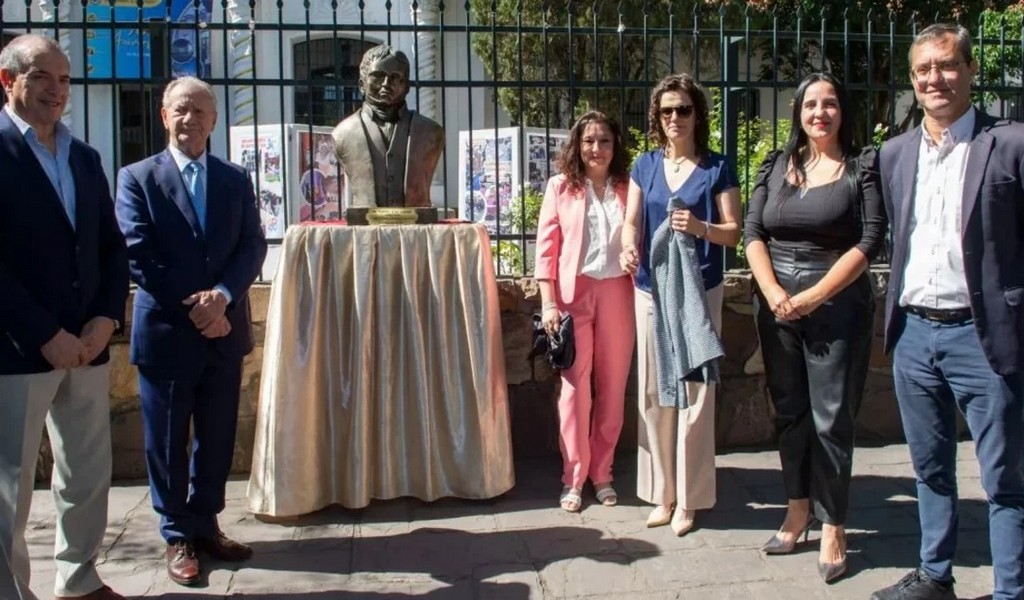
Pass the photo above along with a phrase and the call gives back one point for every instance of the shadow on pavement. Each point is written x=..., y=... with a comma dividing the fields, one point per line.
x=882, y=522
x=457, y=591
x=447, y=553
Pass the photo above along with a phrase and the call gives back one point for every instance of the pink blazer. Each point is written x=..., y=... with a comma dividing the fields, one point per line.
x=560, y=227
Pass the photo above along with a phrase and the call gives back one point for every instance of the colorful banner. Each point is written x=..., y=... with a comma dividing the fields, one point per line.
x=133, y=52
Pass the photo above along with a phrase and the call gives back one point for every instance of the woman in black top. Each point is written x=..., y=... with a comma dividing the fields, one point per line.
x=814, y=223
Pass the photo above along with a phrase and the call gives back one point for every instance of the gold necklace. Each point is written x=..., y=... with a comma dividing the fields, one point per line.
x=677, y=163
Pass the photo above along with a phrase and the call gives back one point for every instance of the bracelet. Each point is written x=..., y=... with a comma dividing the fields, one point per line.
x=549, y=305
x=707, y=228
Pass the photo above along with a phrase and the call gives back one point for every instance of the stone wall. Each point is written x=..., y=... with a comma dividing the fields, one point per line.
x=744, y=416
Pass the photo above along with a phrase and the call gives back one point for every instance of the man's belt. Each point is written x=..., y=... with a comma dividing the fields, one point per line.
x=941, y=315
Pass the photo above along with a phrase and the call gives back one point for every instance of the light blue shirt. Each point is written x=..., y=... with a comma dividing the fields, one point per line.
x=57, y=168
x=183, y=161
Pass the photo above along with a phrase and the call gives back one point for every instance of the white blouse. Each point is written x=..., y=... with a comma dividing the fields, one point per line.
x=602, y=242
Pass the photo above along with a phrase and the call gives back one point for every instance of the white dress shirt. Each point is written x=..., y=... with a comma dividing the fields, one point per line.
x=933, y=276
x=601, y=236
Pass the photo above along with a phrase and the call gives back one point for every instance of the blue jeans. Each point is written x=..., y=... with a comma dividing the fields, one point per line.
x=937, y=369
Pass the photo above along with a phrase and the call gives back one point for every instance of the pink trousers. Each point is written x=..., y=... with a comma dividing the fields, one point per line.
x=589, y=424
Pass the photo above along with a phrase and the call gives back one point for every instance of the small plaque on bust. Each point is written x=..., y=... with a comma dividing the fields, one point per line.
x=391, y=216
x=421, y=215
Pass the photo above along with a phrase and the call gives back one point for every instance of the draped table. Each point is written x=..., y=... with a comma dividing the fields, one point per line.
x=383, y=370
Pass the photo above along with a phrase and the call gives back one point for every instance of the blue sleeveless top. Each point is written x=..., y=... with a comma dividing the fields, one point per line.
x=710, y=178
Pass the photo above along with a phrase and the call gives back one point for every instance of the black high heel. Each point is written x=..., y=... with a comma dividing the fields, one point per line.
x=776, y=546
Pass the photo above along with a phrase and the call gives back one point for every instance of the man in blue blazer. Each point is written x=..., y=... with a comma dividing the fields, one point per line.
x=194, y=246
x=63, y=287
x=954, y=190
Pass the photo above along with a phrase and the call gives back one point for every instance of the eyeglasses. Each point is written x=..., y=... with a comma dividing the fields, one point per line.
x=946, y=68
x=683, y=110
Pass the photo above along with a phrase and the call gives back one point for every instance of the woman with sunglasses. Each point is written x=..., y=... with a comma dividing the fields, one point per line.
x=814, y=223
x=577, y=270
x=676, y=458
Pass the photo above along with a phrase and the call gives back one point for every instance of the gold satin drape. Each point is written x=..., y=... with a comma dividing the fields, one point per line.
x=383, y=370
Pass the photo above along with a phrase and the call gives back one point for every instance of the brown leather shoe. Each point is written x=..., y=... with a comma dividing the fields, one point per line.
x=104, y=593
x=182, y=563
x=224, y=548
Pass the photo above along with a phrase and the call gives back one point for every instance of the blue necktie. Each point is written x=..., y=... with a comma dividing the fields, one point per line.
x=197, y=191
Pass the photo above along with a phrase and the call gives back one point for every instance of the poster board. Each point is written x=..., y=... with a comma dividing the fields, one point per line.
x=495, y=164
x=294, y=171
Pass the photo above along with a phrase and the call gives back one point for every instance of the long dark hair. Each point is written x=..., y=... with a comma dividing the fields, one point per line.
x=793, y=153
x=681, y=83
x=571, y=165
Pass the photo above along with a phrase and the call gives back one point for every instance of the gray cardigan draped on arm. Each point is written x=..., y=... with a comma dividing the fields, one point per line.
x=686, y=346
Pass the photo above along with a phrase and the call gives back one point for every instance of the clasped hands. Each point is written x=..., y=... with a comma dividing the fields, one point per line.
x=65, y=351
x=207, y=313
x=791, y=308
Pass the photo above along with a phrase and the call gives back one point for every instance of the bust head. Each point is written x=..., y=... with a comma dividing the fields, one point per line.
x=384, y=77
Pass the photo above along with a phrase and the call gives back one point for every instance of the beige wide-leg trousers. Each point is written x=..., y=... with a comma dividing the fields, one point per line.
x=74, y=406
x=676, y=455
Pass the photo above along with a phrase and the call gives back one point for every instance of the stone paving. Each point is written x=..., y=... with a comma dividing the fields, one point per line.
x=522, y=546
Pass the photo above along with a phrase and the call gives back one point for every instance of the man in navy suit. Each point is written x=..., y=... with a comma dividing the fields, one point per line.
x=954, y=190
x=194, y=246
x=63, y=287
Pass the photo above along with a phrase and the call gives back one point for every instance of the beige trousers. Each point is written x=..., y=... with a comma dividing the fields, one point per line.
x=676, y=454
x=74, y=406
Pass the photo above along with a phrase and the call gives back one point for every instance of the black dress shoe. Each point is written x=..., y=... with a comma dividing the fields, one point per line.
x=916, y=585
x=224, y=548
x=182, y=564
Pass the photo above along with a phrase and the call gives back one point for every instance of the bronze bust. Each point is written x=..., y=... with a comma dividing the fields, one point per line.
x=388, y=152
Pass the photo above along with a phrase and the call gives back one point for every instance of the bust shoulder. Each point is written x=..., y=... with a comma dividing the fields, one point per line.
x=343, y=131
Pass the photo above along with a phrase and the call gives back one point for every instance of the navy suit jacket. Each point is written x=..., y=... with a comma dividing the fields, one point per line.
x=53, y=276
x=171, y=258
x=992, y=233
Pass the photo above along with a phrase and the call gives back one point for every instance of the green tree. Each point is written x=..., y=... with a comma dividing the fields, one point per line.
x=546, y=57
x=998, y=52
x=891, y=26
x=547, y=41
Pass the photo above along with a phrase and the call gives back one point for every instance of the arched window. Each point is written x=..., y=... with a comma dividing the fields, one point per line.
x=327, y=79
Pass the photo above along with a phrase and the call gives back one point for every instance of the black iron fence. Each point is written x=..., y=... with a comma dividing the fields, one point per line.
x=503, y=77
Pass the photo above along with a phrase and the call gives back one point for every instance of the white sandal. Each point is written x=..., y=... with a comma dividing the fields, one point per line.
x=606, y=495
x=571, y=500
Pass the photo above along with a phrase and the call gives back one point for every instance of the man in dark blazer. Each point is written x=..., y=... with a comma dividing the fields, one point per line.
x=194, y=247
x=954, y=190
x=63, y=287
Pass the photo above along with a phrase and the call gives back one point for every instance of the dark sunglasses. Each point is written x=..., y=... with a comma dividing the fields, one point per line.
x=683, y=110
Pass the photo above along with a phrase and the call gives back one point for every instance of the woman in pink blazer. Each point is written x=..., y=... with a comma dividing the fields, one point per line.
x=578, y=244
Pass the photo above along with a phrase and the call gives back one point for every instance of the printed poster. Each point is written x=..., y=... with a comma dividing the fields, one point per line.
x=542, y=151
x=486, y=176
x=260, y=155
x=322, y=183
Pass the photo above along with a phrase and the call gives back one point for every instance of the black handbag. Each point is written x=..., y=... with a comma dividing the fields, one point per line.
x=560, y=348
